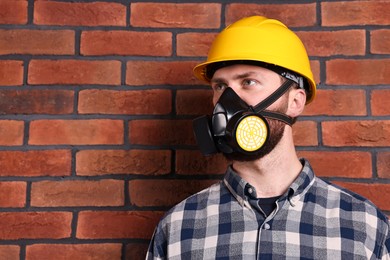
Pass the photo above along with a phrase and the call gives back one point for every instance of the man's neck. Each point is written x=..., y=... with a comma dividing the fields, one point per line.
x=273, y=174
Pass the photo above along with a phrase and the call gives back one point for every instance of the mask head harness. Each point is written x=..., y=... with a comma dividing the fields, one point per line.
x=236, y=126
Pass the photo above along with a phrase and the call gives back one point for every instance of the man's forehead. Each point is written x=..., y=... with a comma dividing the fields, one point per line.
x=238, y=71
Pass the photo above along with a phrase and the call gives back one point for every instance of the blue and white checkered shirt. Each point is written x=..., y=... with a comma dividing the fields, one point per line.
x=312, y=220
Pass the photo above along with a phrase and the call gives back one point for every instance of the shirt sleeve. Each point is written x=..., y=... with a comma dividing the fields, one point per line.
x=386, y=250
x=158, y=245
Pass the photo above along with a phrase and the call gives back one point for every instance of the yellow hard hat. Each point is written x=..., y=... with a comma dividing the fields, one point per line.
x=258, y=38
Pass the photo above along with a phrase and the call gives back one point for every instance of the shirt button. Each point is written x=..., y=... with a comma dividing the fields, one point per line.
x=250, y=190
x=267, y=226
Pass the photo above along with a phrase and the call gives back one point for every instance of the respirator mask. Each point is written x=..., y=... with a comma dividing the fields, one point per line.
x=235, y=126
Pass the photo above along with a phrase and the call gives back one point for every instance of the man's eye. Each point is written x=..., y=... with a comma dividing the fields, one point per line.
x=249, y=82
x=219, y=87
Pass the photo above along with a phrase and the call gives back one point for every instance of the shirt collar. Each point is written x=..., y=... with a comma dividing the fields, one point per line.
x=240, y=188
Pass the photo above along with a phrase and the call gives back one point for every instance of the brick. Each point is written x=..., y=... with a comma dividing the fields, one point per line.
x=79, y=14
x=194, y=102
x=143, y=102
x=348, y=164
x=76, y=132
x=161, y=132
x=136, y=250
x=293, y=15
x=358, y=72
x=35, y=163
x=175, y=15
x=305, y=133
x=356, y=133
x=165, y=192
x=379, y=40
x=117, y=224
x=194, y=163
x=328, y=43
x=101, y=162
x=315, y=68
x=77, y=72
x=11, y=72
x=12, y=194
x=36, y=101
x=37, y=42
x=74, y=193
x=194, y=44
x=126, y=43
x=13, y=12
x=379, y=102
x=35, y=225
x=140, y=73
x=383, y=164
x=9, y=252
x=101, y=251
x=376, y=192
x=355, y=13
x=340, y=102
x=11, y=132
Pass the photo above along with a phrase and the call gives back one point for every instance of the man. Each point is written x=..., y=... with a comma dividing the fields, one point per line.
x=270, y=205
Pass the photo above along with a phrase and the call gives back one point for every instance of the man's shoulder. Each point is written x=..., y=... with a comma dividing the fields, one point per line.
x=349, y=200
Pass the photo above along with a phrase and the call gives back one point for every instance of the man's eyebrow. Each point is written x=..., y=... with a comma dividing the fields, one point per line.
x=245, y=75
x=238, y=76
x=217, y=80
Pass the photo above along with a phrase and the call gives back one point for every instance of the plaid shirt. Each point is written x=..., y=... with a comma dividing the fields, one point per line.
x=312, y=220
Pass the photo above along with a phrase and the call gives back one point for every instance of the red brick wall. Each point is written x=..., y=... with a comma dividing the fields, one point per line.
x=96, y=102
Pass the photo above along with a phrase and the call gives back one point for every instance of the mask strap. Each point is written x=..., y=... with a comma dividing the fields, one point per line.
x=274, y=96
x=278, y=116
x=260, y=108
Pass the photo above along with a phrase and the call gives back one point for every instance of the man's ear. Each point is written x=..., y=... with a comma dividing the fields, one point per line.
x=297, y=100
